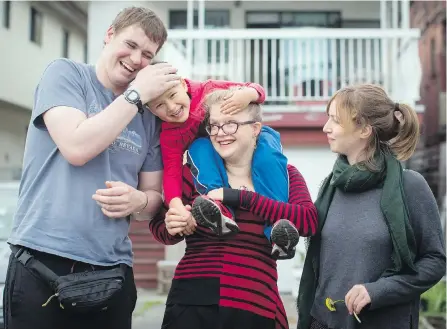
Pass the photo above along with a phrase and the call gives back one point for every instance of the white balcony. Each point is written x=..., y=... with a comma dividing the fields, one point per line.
x=301, y=65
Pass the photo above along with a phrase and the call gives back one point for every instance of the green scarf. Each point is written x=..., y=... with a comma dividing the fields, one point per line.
x=394, y=208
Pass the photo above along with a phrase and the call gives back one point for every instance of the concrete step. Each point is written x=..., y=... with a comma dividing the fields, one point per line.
x=145, y=265
x=146, y=280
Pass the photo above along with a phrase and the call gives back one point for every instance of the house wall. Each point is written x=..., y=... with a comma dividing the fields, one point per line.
x=430, y=18
x=362, y=10
x=13, y=126
x=24, y=60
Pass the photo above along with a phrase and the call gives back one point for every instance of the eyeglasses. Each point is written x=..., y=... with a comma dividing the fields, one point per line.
x=228, y=128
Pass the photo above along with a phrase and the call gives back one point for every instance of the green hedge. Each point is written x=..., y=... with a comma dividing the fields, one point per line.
x=433, y=301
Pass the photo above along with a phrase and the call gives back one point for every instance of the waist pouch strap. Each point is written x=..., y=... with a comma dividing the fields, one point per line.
x=78, y=292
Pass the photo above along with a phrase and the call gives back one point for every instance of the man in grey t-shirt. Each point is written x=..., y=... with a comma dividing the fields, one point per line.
x=91, y=162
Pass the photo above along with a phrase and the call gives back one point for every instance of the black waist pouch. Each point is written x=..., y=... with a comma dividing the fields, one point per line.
x=81, y=292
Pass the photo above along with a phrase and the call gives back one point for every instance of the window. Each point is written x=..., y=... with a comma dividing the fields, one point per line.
x=213, y=19
x=36, y=26
x=433, y=57
x=65, y=43
x=6, y=14
x=268, y=19
x=360, y=24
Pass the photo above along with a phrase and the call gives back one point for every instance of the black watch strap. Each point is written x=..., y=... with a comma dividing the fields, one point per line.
x=140, y=107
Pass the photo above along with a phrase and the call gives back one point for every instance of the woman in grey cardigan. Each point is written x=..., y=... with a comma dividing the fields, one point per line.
x=379, y=244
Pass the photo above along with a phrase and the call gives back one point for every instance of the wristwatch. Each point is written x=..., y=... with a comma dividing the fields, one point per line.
x=133, y=97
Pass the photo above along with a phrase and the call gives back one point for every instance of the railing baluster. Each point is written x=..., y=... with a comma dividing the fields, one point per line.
x=368, y=68
x=317, y=68
x=295, y=71
x=248, y=58
x=223, y=63
x=274, y=78
x=360, y=68
x=265, y=68
x=351, y=72
x=256, y=67
x=212, y=73
x=377, y=60
x=343, y=56
x=291, y=55
x=308, y=77
x=334, y=65
x=232, y=61
x=282, y=69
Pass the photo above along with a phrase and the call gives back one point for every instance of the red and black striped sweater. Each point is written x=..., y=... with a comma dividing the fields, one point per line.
x=237, y=272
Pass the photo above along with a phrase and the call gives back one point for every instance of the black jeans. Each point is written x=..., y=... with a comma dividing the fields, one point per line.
x=25, y=293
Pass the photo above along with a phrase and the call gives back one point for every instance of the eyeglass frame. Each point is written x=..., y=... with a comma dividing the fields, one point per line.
x=243, y=123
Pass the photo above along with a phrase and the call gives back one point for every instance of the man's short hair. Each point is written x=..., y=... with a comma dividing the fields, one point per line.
x=145, y=18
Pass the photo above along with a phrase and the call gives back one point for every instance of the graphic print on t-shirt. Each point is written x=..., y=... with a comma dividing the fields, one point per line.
x=128, y=140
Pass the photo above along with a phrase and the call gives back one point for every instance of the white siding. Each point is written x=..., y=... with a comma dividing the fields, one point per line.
x=360, y=10
x=314, y=163
x=101, y=15
x=13, y=124
x=24, y=61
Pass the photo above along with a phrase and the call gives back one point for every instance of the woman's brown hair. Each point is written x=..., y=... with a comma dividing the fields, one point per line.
x=395, y=126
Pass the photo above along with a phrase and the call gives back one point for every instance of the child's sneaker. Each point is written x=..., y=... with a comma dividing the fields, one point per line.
x=284, y=237
x=208, y=214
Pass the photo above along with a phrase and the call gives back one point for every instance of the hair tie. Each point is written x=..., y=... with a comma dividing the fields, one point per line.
x=398, y=113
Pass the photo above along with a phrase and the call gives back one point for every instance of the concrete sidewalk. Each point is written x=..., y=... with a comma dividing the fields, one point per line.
x=150, y=308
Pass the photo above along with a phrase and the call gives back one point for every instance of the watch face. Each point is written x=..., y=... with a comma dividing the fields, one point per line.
x=132, y=95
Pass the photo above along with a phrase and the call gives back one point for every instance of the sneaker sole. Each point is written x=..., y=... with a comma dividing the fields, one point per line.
x=285, y=235
x=208, y=214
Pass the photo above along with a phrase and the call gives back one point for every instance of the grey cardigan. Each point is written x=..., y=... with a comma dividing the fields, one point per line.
x=395, y=300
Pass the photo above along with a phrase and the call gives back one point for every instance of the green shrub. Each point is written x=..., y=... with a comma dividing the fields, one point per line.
x=433, y=301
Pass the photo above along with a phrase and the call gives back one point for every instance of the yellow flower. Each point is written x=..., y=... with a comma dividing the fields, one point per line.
x=330, y=304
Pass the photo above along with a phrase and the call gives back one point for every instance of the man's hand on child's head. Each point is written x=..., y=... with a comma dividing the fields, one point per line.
x=239, y=100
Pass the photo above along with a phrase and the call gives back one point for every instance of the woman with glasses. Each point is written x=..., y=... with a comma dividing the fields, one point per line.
x=209, y=173
x=230, y=281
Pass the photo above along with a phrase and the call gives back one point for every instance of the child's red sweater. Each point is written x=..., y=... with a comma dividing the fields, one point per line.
x=176, y=138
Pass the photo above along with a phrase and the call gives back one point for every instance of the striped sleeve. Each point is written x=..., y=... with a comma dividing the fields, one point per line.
x=158, y=229
x=300, y=209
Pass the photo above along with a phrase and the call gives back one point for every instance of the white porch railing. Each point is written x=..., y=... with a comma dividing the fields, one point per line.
x=306, y=64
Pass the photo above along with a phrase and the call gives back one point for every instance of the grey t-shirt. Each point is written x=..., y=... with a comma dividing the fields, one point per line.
x=56, y=213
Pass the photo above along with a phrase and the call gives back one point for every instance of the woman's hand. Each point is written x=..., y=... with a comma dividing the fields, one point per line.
x=357, y=298
x=176, y=222
x=190, y=228
x=239, y=100
x=216, y=194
